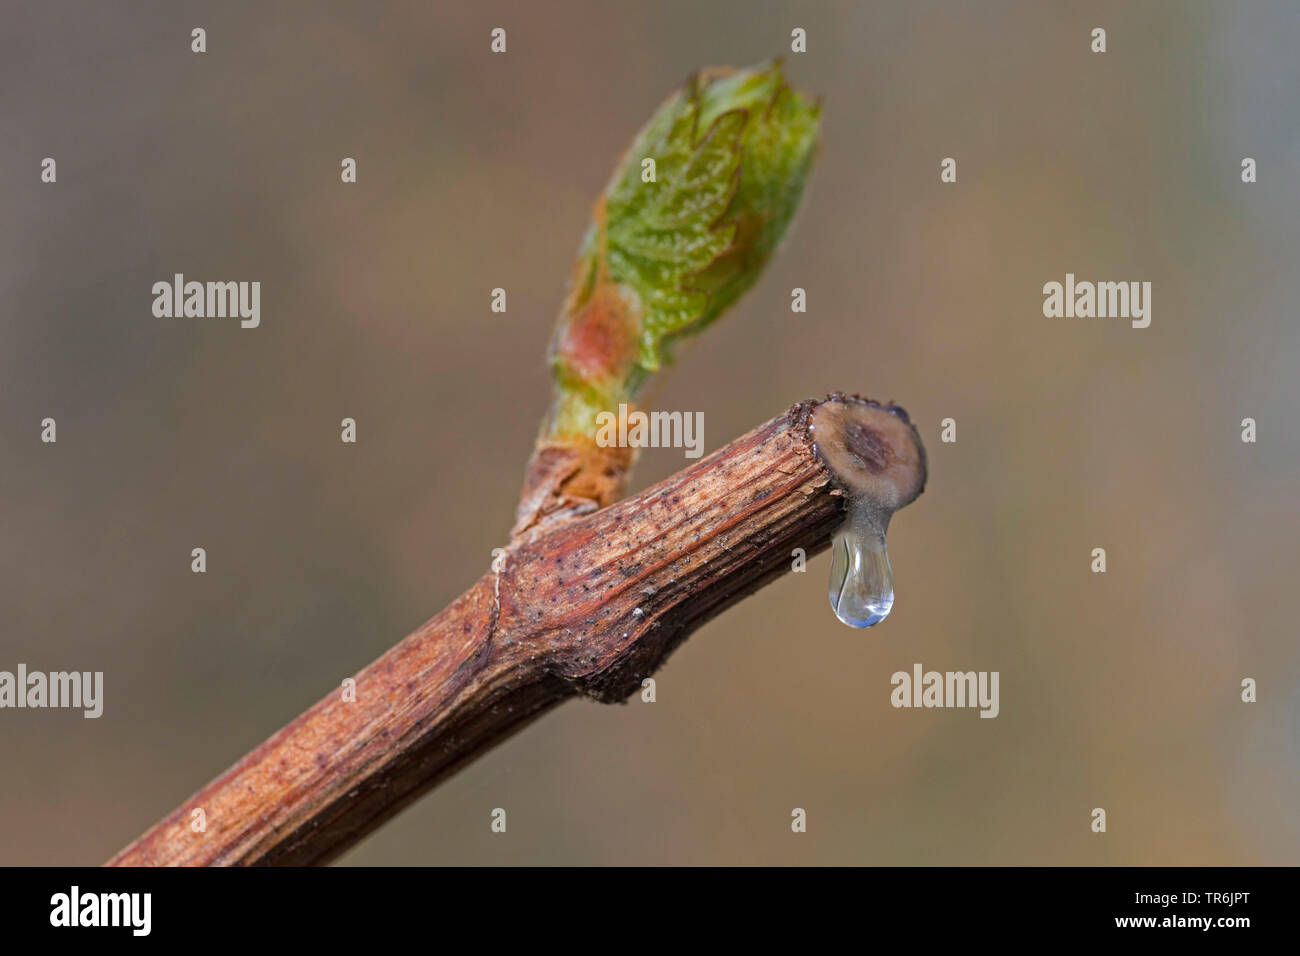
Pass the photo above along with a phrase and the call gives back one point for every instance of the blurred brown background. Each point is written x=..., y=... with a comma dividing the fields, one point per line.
x=475, y=171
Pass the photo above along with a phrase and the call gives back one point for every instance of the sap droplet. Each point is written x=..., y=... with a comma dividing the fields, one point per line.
x=862, y=582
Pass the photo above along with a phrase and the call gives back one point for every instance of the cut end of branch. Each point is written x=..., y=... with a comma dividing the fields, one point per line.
x=872, y=450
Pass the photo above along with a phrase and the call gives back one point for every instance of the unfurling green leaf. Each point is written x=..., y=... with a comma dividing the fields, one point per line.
x=674, y=243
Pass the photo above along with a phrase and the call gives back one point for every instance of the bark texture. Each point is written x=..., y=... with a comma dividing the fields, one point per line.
x=579, y=604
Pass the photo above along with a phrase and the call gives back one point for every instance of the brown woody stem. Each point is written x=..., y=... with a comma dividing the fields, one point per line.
x=588, y=606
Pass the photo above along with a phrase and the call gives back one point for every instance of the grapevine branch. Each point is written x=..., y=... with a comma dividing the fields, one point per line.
x=591, y=593
x=586, y=606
